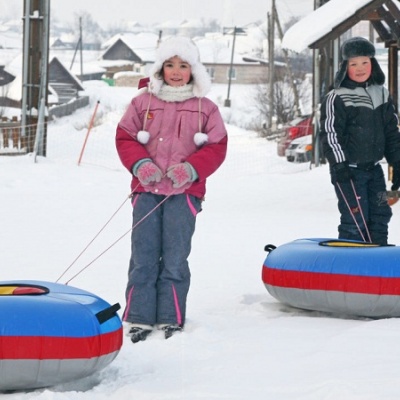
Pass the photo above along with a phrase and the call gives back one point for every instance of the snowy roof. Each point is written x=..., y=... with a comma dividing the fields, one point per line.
x=263, y=61
x=7, y=55
x=143, y=44
x=14, y=67
x=216, y=48
x=14, y=89
x=320, y=22
x=192, y=23
x=91, y=61
x=171, y=23
x=10, y=40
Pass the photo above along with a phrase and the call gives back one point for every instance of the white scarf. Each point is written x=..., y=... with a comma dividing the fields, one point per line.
x=175, y=93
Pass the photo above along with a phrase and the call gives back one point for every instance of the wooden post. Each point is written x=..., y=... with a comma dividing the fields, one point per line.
x=393, y=74
x=15, y=134
x=5, y=134
x=35, y=39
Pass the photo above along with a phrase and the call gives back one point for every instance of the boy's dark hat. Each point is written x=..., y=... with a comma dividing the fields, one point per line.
x=358, y=47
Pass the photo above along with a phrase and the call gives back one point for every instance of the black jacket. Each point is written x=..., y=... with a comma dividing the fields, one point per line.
x=359, y=124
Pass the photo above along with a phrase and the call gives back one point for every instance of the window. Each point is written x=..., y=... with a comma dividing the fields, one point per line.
x=233, y=73
x=211, y=72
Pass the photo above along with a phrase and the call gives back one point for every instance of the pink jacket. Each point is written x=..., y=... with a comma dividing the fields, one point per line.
x=172, y=127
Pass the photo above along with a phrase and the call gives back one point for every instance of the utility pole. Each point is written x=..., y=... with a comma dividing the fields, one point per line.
x=79, y=46
x=159, y=40
x=228, y=101
x=288, y=67
x=271, y=62
x=35, y=59
x=235, y=31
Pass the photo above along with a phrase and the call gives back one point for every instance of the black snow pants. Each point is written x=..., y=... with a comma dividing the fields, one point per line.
x=366, y=219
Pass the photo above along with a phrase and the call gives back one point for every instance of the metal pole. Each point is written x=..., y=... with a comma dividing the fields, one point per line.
x=316, y=102
x=271, y=57
x=227, y=101
x=41, y=139
x=81, y=45
x=25, y=69
x=38, y=147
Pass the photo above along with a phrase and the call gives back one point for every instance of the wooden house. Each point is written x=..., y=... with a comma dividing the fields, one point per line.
x=129, y=52
x=64, y=89
x=5, y=77
x=64, y=84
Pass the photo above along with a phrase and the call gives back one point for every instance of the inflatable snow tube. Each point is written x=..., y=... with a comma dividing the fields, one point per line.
x=52, y=333
x=335, y=276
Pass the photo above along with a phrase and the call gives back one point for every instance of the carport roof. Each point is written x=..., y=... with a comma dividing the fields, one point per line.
x=337, y=16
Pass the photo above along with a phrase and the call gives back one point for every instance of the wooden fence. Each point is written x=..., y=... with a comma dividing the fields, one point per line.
x=12, y=142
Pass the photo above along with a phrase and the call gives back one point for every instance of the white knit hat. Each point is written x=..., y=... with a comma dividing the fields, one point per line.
x=185, y=49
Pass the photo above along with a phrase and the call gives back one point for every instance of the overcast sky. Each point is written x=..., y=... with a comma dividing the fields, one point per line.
x=107, y=13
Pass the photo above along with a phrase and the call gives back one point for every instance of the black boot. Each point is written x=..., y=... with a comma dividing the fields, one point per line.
x=169, y=330
x=138, y=334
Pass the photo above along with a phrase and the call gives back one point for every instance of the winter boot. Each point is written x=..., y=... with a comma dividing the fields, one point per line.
x=169, y=330
x=138, y=334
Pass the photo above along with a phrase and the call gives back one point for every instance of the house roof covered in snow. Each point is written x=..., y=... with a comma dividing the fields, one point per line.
x=336, y=17
x=144, y=44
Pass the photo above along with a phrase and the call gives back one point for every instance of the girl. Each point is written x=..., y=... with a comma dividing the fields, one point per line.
x=171, y=139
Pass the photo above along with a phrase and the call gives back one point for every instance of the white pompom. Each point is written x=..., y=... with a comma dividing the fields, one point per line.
x=200, y=138
x=143, y=137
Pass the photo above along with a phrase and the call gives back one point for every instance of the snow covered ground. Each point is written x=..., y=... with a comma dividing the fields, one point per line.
x=239, y=342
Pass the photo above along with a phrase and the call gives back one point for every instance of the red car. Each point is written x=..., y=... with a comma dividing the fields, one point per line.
x=297, y=128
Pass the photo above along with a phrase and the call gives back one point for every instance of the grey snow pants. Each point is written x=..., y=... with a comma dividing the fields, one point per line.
x=159, y=275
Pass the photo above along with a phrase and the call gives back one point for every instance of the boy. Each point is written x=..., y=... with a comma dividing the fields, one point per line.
x=359, y=126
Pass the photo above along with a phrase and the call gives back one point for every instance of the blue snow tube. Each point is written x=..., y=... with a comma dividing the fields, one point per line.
x=337, y=276
x=52, y=333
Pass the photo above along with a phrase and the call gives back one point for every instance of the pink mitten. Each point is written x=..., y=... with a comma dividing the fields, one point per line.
x=148, y=173
x=180, y=174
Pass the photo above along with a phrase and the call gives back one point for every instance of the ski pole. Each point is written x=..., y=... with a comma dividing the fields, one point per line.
x=361, y=210
x=351, y=213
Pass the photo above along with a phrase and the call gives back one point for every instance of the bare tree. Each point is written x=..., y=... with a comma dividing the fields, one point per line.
x=283, y=111
x=93, y=33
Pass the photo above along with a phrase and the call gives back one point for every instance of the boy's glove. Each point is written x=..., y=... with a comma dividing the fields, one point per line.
x=148, y=173
x=396, y=176
x=180, y=174
x=342, y=172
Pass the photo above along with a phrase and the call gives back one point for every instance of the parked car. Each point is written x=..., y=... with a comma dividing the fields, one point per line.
x=297, y=128
x=300, y=149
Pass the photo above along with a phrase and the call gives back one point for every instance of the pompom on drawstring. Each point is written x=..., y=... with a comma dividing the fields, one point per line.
x=143, y=137
x=200, y=139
